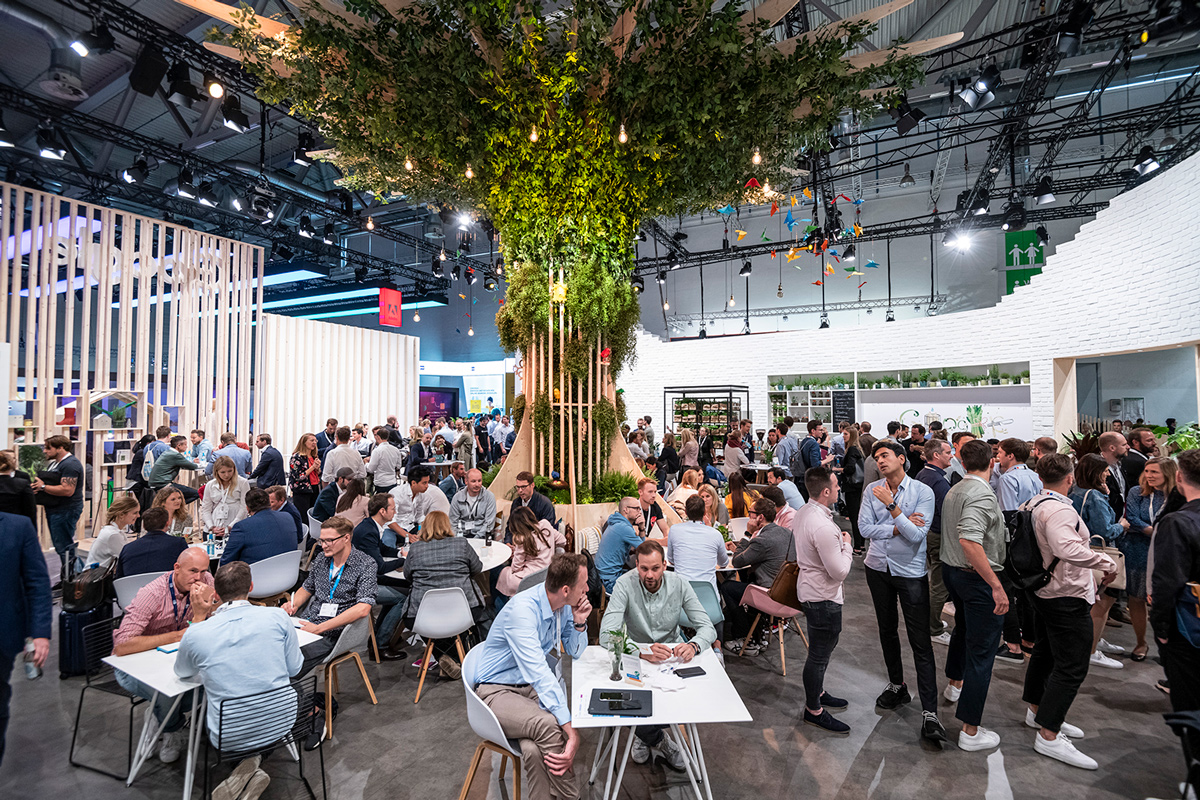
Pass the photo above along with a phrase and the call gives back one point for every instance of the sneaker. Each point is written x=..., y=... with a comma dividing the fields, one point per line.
x=752, y=649
x=826, y=721
x=1110, y=649
x=942, y=638
x=732, y=648
x=172, y=745
x=1008, y=656
x=829, y=701
x=952, y=693
x=1101, y=660
x=641, y=751
x=314, y=739
x=932, y=728
x=982, y=740
x=893, y=697
x=1163, y=686
x=669, y=752
x=231, y=788
x=948, y=610
x=450, y=668
x=1067, y=729
x=1061, y=748
x=257, y=785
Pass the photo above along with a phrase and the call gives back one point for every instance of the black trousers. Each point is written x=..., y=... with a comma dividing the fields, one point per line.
x=6, y=666
x=853, y=505
x=913, y=596
x=314, y=653
x=303, y=502
x=1181, y=662
x=1062, y=652
x=824, y=620
x=737, y=618
x=973, y=644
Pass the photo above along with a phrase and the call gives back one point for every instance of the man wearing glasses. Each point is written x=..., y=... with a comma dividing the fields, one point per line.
x=529, y=497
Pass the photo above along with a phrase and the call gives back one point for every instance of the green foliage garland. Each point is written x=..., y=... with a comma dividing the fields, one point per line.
x=543, y=413
x=604, y=419
x=518, y=412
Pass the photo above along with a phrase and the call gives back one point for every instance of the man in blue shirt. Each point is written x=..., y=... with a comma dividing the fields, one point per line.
x=241, y=458
x=619, y=537
x=810, y=450
x=784, y=450
x=895, y=517
x=200, y=448
x=1018, y=483
x=514, y=675
x=936, y=456
x=791, y=494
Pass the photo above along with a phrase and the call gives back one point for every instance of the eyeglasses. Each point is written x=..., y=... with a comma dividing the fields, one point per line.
x=324, y=541
x=523, y=485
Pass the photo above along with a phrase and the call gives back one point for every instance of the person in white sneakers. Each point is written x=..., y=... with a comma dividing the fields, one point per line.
x=1063, y=624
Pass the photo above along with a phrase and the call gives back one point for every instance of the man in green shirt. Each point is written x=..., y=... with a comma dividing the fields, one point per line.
x=647, y=601
x=973, y=552
x=167, y=465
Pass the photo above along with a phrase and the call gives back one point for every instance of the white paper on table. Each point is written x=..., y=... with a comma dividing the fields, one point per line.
x=664, y=681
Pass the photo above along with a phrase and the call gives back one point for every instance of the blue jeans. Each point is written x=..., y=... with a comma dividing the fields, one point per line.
x=389, y=596
x=824, y=620
x=973, y=644
x=62, y=520
x=162, y=706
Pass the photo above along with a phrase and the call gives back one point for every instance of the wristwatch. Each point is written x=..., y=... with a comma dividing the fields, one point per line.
x=891, y=506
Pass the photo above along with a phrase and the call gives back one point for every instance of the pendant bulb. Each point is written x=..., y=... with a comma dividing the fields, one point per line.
x=408, y=165
x=416, y=316
x=470, y=173
x=756, y=159
x=622, y=137
x=533, y=134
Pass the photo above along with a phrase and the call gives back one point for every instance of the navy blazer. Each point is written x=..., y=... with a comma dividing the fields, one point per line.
x=270, y=471
x=153, y=551
x=301, y=524
x=324, y=444
x=16, y=497
x=326, y=505
x=368, y=541
x=25, y=604
x=258, y=537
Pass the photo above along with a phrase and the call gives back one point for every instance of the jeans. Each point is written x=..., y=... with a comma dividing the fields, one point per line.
x=937, y=586
x=973, y=644
x=824, y=627
x=913, y=596
x=162, y=706
x=1062, y=653
x=62, y=520
x=396, y=598
x=651, y=735
x=6, y=666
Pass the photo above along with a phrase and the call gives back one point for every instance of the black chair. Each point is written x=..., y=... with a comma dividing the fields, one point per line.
x=1186, y=725
x=256, y=724
x=98, y=644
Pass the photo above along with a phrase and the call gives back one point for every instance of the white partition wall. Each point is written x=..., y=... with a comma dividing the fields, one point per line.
x=310, y=371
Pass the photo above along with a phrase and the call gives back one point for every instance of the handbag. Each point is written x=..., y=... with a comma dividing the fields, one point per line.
x=1187, y=613
x=88, y=589
x=783, y=588
x=1117, y=556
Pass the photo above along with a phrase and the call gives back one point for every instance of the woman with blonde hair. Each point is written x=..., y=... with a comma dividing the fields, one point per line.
x=170, y=499
x=118, y=519
x=689, y=450
x=464, y=443
x=224, y=503
x=1143, y=507
x=689, y=484
x=304, y=474
x=534, y=542
x=714, y=510
x=352, y=502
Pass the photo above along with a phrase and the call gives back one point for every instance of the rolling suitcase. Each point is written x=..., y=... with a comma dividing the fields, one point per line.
x=72, y=658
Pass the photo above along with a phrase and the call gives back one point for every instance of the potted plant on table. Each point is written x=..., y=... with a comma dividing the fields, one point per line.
x=619, y=644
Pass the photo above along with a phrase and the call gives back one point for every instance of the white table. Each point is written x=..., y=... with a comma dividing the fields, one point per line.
x=497, y=555
x=156, y=669
x=705, y=699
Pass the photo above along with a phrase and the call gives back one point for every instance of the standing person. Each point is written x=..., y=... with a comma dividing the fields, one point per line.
x=668, y=461
x=823, y=555
x=519, y=680
x=851, y=480
x=1015, y=485
x=810, y=449
x=473, y=510
x=229, y=447
x=368, y=538
x=704, y=448
x=464, y=444
x=224, y=503
x=167, y=465
x=63, y=501
x=304, y=474
x=637, y=445
x=1177, y=562
x=895, y=518
x=16, y=496
x=343, y=456
x=785, y=449
x=483, y=448
x=500, y=438
x=326, y=439
x=649, y=431
x=25, y=604
x=1092, y=482
x=1060, y=658
x=866, y=440
x=269, y=471
x=1143, y=508
x=1142, y=447
x=689, y=450
x=135, y=484
x=936, y=458
x=973, y=550
x=914, y=449
x=956, y=472
x=1113, y=447
x=386, y=463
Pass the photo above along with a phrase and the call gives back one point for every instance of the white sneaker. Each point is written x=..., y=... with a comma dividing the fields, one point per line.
x=982, y=740
x=942, y=638
x=1062, y=749
x=1067, y=729
x=952, y=692
x=668, y=751
x=172, y=745
x=641, y=752
x=1110, y=649
x=1101, y=660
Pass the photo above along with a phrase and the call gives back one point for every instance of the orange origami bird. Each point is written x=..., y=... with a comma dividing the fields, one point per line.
x=816, y=283
x=740, y=234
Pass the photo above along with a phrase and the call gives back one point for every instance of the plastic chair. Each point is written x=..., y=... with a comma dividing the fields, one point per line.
x=352, y=639
x=488, y=729
x=708, y=599
x=737, y=528
x=760, y=600
x=273, y=577
x=98, y=644
x=314, y=527
x=533, y=579
x=128, y=587
x=443, y=613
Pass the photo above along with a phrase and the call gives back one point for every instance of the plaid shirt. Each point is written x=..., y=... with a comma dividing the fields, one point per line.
x=152, y=613
x=357, y=584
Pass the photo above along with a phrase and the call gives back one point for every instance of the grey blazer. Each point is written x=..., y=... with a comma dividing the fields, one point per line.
x=441, y=564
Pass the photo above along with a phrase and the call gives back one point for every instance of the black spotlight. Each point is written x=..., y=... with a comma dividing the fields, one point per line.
x=639, y=285
x=98, y=40
x=661, y=278
x=890, y=316
x=184, y=186
x=360, y=274
x=849, y=255
x=1071, y=34
x=305, y=228
x=1173, y=22
x=1146, y=162
x=905, y=115
x=1014, y=217
x=213, y=86
x=703, y=332
x=48, y=144
x=206, y=195
x=746, y=269
x=235, y=118
x=285, y=253
x=982, y=90
x=1044, y=193
x=490, y=284
x=471, y=277
x=136, y=172
x=438, y=270
x=824, y=321
x=679, y=236
x=330, y=234
x=1043, y=236
x=300, y=155
x=182, y=91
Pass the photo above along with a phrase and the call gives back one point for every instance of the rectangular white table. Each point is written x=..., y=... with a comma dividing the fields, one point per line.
x=705, y=699
x=156, y=669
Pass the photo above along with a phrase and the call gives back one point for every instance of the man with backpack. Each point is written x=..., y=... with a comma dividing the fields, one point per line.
x=1177, y=563
x=1062, y=593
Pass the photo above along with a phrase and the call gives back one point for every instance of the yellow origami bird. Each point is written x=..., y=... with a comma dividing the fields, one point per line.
x=807, y=194
x=858, y=229
x=793, y=254
x=557, y=395
x=829, y=269
x=558, y=292
x=741, y=235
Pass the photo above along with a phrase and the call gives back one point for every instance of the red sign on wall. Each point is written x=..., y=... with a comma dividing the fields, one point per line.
x=389, y=307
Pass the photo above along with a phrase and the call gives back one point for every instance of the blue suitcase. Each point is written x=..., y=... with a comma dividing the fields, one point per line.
x=72, y=657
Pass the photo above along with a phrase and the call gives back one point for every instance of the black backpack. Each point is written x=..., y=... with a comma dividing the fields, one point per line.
x=1024, y=564
x=595, y=590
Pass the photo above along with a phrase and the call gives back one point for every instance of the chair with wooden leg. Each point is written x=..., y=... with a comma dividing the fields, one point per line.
x=487, y=727
x=352, y=639
x=760, y=600
x=443, y=613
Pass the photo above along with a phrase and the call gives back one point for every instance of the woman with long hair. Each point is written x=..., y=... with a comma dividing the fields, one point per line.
x=735, y=456
x=118, y=520
x=714, y=510
x=224, y=503
x=853, y=468
x=304, y=474
x=534, y=542
x=352, y=502
x=739, y=498
x=689, y=484
x=1143, y=508
x=464, y=443
x=179, y=522
x=16, y=493
x=689, y=450
x=1090, y=498
x=668, y=461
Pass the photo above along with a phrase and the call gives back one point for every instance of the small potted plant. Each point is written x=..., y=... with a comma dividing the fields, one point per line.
x=1005, y=379
x=956, y=378
x=923, y=378
x=994, y=374
x=1025, y=376
x=908, y=379
x=619, y=645
x=117, y=415
x=944, y=378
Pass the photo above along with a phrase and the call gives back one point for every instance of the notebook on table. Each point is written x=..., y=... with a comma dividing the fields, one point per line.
x=621, y=703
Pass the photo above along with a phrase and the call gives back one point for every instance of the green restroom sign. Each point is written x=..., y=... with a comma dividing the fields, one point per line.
x=1021, y=249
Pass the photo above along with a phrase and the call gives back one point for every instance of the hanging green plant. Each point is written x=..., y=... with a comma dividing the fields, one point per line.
x=543, y=413
x=577, y=358
x=604, y=419
x=518, y=412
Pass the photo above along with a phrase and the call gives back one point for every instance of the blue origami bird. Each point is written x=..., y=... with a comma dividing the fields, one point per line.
x=871, y=265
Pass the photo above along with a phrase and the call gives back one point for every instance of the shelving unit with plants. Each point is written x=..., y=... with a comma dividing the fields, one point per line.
x=1011, y=374
x=718, y=408
x=804, y=397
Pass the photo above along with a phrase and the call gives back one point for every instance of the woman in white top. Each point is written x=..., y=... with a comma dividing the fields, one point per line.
x=115, y=533
x=224, y=502
x=637, y=445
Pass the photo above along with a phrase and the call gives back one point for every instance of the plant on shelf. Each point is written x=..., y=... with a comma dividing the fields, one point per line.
x=994, y=374
x=889, y=382
x=1005, y=379
x=117, y=415
x=944, y=377
x=908, y=380
x=923, y=377
x=837, y=382
x=1025, y=375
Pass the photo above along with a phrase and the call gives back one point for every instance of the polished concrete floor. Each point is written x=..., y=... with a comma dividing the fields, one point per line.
x=400, y=750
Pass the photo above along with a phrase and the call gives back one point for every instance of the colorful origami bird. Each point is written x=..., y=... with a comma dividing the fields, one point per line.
x=858, y=229
x=772, y=254
x=753, y=184
x=817, y=283
x=864, y=283
x=765, y=238
x=793, y=254
x=789, y=220
x=829, y=270
x=807, y=194
x=605, y=353
x=740, y=234
x=463, y=296
x=774, y=208
x=843, y=197
x=726, y=209
x=871, y=264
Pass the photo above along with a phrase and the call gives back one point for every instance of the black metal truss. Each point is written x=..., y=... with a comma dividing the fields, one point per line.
x=812, y=308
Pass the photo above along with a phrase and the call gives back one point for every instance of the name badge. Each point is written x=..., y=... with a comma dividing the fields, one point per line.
x=328, y=610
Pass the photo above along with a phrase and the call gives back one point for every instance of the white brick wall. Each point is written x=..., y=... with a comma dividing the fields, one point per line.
x=1130, y=279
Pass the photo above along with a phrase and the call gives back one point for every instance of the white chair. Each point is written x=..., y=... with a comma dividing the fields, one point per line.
x=352, y=639
x=737, y=528
x=275, y=575
x=483, y=721
x=128, y=587
x=443, y=613
x=314, y=527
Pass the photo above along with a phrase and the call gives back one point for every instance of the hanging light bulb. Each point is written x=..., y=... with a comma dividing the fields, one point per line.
x=370, y=223
x=756, y=159
x=442, y=255
x=470, y=173
x=666, y=305
x=779, y=291
x=471, y=330
x=622, y=137
x=416, y=316
x=533, y=134
x=732, y=302
x=408, y=165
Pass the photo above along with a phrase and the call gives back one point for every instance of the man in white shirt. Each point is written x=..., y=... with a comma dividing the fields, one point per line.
x=473, y=509
x=414, y=500
x=694, y=549
x=386, y=464
x=500, y=435
x=344, y=455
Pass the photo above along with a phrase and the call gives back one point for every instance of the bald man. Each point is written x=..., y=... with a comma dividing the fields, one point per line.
x=473, y=508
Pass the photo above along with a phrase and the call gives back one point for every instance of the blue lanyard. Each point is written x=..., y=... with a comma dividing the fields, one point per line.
x=175, y=603
x=334, y=583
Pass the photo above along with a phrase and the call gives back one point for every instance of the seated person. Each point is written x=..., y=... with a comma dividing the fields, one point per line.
x=352, y=503
x=654, y=523
x=694, y=549
x=415, y=500
x=765, y=549
x=326, y=503
x=514, y=677
x=528, y=495
x=159, y=615
x=368, y=538
x=455, y=481
x=473, y=510
x=648, y=602
x=618, y=539
x=243, y=650
x=263, y=534
x=784, y=514
x=341, y=587
x=740, y=497
x=440, y=560
x=791, y=493
x=279, y=502
x=153, y=551
x=224, y=502
x=534, y=542
x=113, y=537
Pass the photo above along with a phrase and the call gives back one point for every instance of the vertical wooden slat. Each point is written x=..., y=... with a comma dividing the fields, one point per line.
x=6, y=255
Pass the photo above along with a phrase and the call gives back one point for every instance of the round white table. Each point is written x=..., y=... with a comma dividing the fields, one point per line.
x=497, y=555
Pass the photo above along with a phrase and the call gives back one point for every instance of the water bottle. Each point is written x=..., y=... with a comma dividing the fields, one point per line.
x=211, y=545
x=32, y=670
